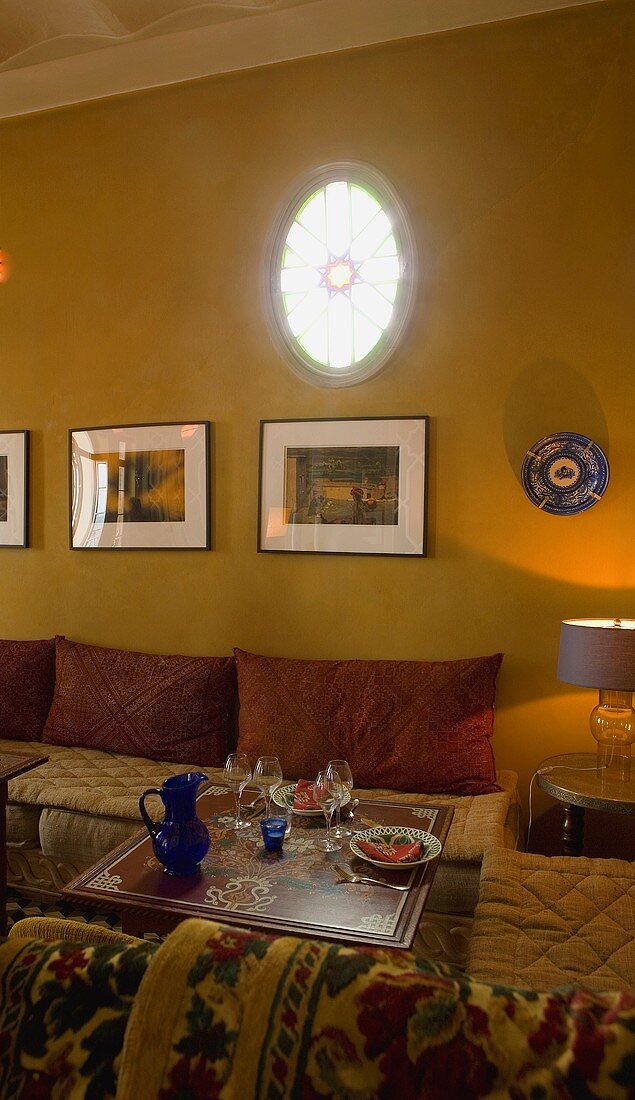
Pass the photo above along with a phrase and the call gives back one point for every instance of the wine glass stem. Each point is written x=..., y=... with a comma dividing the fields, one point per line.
x=338, y=816
x=329, y=816
x=237, y=795
x=267, y=803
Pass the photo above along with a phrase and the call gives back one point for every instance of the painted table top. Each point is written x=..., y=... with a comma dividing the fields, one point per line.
x=297, y=891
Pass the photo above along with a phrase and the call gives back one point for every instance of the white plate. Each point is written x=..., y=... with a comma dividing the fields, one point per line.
x=431, y=845
x=289, y=788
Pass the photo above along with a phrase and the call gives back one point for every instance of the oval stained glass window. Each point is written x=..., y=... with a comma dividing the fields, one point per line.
x=341, y=279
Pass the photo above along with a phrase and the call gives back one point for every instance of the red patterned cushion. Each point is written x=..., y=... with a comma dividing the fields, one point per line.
x=27, y=678
x=421, y=726
x=143, y=704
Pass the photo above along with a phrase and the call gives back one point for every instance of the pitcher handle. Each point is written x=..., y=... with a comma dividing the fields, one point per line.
x=150, y=825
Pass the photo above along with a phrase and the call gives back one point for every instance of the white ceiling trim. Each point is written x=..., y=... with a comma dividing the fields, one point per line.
x=321, y=27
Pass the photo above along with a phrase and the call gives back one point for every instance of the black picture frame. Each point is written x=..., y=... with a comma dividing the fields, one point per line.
x=405, y=537
x=15, y=450
x=192, y=439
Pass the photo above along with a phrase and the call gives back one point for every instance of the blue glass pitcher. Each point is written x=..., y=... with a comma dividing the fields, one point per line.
x=181, y=840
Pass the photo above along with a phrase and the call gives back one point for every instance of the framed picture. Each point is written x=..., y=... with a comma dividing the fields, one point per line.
x=140, y=487
x=14, y=489
x=349, y=486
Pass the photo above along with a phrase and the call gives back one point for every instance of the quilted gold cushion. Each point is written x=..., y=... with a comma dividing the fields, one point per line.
x=544, y=922
x=109, y=784
x=92, y=781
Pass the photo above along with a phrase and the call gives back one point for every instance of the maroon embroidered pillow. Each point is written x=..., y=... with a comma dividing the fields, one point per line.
x=143, y=704
x=420, y=726
x=27, y=678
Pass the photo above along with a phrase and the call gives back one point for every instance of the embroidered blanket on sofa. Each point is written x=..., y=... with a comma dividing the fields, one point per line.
x=260, y=1018
x=224, y=1013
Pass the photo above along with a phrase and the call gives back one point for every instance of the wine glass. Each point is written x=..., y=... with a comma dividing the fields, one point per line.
x=237, y=776
x=267, y=776
x=340, y=769
x=285, y=803
x=327, y=792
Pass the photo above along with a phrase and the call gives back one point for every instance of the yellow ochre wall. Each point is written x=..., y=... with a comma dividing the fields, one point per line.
x=137, y=228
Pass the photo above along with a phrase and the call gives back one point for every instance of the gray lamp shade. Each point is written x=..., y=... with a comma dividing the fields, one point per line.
x=598, y=653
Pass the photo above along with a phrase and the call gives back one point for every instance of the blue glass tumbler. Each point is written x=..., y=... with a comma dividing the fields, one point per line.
x=273, y=830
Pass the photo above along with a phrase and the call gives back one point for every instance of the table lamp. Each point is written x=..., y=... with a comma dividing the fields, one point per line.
x=600, y=653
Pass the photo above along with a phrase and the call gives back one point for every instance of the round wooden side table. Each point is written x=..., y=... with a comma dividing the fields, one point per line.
x=572, y=778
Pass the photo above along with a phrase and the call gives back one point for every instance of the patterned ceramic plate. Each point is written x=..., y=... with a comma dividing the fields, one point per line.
x=401, y=835
x=281, y=794
x=565, y=473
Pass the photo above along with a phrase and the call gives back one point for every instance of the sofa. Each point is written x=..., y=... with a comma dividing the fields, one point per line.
x=114, y=723
x=223, y=1012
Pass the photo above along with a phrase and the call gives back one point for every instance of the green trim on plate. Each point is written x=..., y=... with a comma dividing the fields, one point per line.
x=403, y=835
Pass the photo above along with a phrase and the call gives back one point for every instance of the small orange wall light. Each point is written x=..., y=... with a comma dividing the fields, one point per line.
x=6, y=266
x=600, y=653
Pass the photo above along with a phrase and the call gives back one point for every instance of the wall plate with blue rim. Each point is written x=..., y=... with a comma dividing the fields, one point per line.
x=565, y=473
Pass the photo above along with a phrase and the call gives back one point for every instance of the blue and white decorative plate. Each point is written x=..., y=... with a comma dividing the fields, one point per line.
x=565, y=473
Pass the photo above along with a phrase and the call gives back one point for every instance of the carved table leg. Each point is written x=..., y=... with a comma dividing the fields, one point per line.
x=572, y=830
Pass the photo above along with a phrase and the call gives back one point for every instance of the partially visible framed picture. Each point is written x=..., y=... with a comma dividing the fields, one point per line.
x=140, y=487
x=348, y=486
x=14, y=488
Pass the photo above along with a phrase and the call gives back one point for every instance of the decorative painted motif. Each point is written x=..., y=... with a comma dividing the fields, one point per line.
x=565, y=473
x=382, y=925
x=429, y=815
x=249, y=879
x=105, y=881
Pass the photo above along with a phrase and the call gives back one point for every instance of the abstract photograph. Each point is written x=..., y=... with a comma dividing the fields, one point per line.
x=144, y=486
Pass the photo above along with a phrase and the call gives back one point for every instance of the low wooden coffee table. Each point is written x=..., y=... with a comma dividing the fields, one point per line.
x=12, y=764
x=297, y=892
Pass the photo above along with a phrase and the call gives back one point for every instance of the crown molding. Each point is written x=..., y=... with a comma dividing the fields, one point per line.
x=321, y=27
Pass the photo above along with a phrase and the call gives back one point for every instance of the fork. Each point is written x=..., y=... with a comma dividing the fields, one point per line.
x=254, y=808
x=349, y=876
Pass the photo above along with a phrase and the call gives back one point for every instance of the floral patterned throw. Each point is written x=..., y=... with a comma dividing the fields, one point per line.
x=250, y=1018
x=217, y=1013
x=64, y=1010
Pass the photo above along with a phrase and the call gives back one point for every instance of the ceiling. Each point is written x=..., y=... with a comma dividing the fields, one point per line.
x=33, y=31
x=57, y=52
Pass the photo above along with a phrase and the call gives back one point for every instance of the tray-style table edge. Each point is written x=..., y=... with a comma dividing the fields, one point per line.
x=159, y=915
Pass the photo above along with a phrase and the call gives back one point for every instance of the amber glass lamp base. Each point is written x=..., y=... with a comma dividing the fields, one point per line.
x=613, y=726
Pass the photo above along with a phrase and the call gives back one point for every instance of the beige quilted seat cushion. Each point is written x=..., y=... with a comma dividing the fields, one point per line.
x=544, y=922
x=91, y=781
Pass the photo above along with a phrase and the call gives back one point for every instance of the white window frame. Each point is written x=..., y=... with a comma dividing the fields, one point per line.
x=299, y=361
